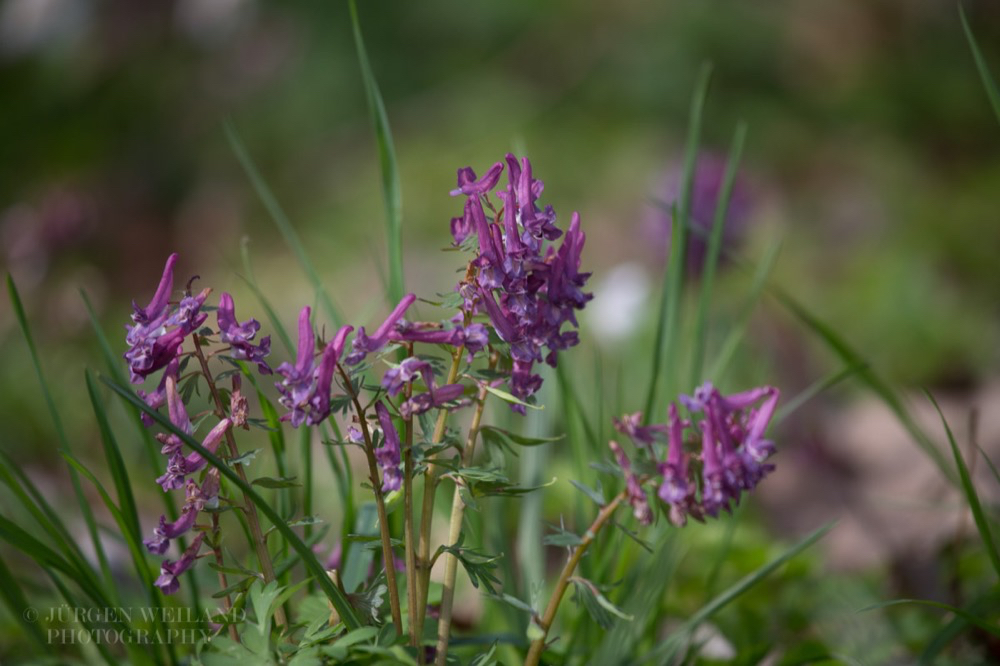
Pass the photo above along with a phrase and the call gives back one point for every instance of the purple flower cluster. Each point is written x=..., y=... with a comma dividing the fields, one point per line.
x=238, y=336
x=305, y=387
x=198, y=496
x=156, y=342
x=732, y=456
x=158, y=331
x=389, y=454
x=527, y=287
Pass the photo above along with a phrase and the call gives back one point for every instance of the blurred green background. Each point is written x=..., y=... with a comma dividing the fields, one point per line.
x=872, y=150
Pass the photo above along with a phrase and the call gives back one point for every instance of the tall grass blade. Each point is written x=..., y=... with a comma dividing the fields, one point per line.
x=282, y=222
x=88, y=516
x=738, y=329
x=971, y=618
x=116, y=464
x=272, y=316
x=814, y=389
x=732, y=593
x=668, y=320
x=712, y=257
x=313, y=566
x=971, y=496
x=391, y=190
x=989, y=84
x=851, y=358
x=16, y=602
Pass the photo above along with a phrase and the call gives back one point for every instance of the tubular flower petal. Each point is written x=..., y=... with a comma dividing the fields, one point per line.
x=388, y=455
x=239, y=335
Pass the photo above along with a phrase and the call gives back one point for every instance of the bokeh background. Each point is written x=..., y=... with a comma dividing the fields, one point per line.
x=872, y=154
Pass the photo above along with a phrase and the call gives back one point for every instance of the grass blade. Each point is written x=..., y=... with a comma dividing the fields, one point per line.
x=971, y=496
x=282, y=222
x=18, y=605
x=732, y=593
x=984, y=71
x=811, y=391
x=391, y=190
x=88, y=516
x=737, y=330
x=116, y=464
x=851, y=358
x=668, y=320
x=971, y=618
x=712, y=257
x=313, y=566
x=272, y=316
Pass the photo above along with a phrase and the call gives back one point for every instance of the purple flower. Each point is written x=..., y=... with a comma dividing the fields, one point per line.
x=179, y=465
x=197, y=499
x=238, y=336
x=708, y=180
x=362, y=345
x=170, y=571
x=435, y=397
x=528, y=288
x=395, y=378
x=631, y=425
x=158, y=398
x=158, y=332
x=636, y=495
x=676, y=488
x=388, y=455
x=473, y=337
x=305, y=387
x=469, y=185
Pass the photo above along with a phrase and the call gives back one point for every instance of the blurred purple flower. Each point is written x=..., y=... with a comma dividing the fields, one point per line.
x=636, y=495
x=239, y=335
x=708, y=181
x=434, y=397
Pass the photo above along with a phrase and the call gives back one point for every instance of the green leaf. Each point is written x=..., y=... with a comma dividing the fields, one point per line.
x=313, y=566
x=281, y=482
x=595, y=495
x=602, y=611
x=244, y=458
x=514, y=438
x=391, y=190
x=971, y=496
x=507, y=397
x=18, y=606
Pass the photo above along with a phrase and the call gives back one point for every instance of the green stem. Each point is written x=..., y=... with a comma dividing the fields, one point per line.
x=411, y=551
x=427, y=506
x=383, y=520
x=253, y=521
x=538, y=645
x=455, y=530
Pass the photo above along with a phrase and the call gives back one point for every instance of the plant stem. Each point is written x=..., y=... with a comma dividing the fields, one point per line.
x=227, y=602
x=411, y=552
x=383, y=520
x=427, y=505
x=455, y=529
x=538, y=645
x=257, y=536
